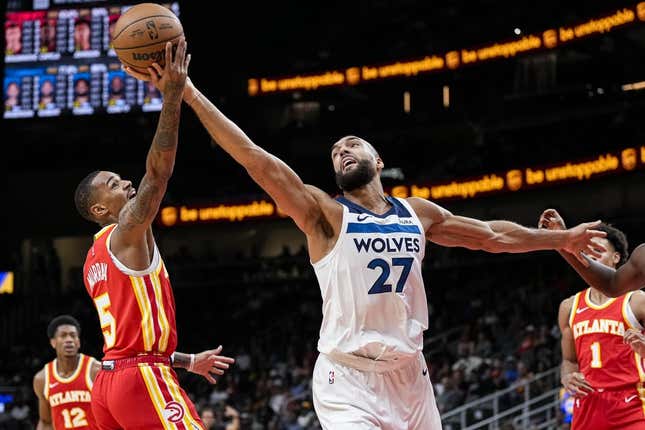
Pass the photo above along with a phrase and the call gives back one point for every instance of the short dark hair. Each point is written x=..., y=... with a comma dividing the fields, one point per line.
x=617, y=239
x=59, y=321
x=83, y=196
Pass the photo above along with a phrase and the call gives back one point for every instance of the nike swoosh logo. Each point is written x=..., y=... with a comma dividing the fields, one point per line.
x=362, y=217
x=581, y=310
x=53, y=385
x=425, y=372
x=630, y=398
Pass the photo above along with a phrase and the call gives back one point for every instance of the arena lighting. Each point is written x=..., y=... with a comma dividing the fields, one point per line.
x=550, y=38
x=517, y=31
x=634, y=86
x=6, y=282
x=511, y=181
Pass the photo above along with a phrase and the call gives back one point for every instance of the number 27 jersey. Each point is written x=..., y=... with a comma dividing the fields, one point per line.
x=374, y=301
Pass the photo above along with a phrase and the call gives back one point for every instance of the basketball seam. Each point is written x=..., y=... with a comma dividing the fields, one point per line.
x=150, y=44
x=172, y=15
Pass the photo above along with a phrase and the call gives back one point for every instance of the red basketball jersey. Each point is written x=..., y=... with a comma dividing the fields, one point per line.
x=136, y=307
x=598, y=330
x=69, y=398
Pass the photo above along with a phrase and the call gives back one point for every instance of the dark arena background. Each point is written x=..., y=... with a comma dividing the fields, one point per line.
x=491, y=109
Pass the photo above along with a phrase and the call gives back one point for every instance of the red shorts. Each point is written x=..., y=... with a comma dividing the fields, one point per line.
x=142, y=396
x=609, y=410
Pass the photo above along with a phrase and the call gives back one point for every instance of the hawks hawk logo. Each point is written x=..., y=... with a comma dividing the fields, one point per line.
x=173, y=412
x=152, y=30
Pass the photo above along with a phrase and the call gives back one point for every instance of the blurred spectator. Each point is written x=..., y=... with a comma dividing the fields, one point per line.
x=229, y=419
x=451, y=397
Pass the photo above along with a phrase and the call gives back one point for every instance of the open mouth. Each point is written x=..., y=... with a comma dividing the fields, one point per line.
x=348, y=162
x=132, y=193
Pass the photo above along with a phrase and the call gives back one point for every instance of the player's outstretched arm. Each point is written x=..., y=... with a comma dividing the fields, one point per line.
x=274, y=176
x=138, y=214
x=44, y=410
x=444, y=228
x=612, y=282
x=299, y=201
x=570, y=375
x=206, y=363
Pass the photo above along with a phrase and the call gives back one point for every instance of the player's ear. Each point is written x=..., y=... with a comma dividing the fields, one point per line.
x=616, y=258
x=52, y=342
x=98, y=211
x=379, y=163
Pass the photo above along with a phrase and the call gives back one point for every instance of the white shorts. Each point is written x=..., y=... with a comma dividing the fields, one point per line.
x=349, y=399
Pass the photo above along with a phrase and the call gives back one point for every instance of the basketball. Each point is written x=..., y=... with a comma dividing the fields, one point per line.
x=141, y=34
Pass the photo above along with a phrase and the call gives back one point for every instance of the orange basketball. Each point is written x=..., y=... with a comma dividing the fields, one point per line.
x=141, y=34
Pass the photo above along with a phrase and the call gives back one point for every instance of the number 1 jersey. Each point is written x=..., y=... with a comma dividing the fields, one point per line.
x=598, y=330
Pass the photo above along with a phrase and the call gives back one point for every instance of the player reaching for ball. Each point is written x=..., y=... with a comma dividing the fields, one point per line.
x=603, y=373
x=129, y=284
x=366, y=250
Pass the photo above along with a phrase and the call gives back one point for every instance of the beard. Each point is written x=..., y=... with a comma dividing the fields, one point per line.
x=359, y=176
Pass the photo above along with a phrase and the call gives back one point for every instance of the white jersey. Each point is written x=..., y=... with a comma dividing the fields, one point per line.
x=374, y=300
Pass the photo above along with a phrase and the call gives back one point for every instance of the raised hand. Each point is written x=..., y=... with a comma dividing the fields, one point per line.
x=171, y=78
x=551, y=220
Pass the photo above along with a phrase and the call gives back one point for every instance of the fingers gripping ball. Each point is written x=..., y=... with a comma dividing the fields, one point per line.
x=141, y=34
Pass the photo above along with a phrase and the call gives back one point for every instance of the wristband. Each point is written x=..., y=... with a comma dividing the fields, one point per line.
x=192, y=362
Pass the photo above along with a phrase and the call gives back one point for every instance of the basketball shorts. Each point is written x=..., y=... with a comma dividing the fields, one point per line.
x=346, y=398
x=609, y=410
x=142, y=396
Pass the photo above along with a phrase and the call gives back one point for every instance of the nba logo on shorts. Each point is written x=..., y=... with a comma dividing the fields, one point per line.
x=331, y=376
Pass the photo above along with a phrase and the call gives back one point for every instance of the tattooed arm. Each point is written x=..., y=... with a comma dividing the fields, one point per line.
x=137, y=215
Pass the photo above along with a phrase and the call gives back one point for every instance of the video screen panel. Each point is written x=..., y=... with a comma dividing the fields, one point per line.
x=59, y=61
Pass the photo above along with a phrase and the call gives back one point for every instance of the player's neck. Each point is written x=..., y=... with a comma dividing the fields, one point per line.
x=65, y=366
x=370, y=196
x=597, y=297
